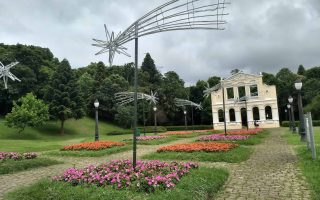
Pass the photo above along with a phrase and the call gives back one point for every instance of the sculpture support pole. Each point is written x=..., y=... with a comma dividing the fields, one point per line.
x=224, y=112
x=135, y=98
x=302, y=129
x=192, y=118
x=294, y=130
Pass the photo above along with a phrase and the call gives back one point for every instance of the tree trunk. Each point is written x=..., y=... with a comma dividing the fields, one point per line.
x=62, y=127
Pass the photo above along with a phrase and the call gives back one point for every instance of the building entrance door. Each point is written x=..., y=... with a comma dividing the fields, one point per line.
x=244, y=117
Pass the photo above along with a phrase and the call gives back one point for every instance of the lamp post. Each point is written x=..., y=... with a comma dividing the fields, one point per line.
x=286, y=111
x=293, y=122
x=302, y=130
x=185, y=119
x=155, y=120
x=96, y=135
x=290, y=118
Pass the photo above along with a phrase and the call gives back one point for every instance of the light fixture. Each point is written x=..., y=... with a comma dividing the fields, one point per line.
x=290, y=99
x=185, y=112
x=298, y=84
x=96, y=103
x=154, y=109
x=289, y=106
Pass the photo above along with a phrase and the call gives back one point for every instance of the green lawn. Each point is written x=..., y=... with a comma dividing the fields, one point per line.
x=48, y=137
x=235, y=155
x=200, y=184
x=309, y=168
x=11, y=166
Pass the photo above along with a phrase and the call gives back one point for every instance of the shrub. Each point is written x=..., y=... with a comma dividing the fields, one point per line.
x=182, y=128
x=297, y=123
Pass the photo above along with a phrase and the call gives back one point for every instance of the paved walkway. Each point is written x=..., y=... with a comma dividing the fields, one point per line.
x=9, y=182
x=270, y=173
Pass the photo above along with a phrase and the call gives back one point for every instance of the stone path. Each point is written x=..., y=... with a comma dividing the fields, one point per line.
x=270, y=173
x=8, y=182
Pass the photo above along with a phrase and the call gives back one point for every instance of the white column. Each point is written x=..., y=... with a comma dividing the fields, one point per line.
x=238, y=114
x=249, y=115
x=275, y=114
x=262, y=114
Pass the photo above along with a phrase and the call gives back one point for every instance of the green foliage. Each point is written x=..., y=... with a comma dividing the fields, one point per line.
x=11, y=166
x=64, y=95
x=301, y=70
x=149, y=67
x=202, y=183
x=150, y=129
x=124, y=117
x=28, y=112
x=314, y=107
x=182, y=128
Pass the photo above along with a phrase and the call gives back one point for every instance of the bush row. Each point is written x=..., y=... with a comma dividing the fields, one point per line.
x=297, y=123
x=182, y=128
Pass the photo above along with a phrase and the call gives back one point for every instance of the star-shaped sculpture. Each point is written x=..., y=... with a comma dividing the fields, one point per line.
x=5, y=73
x=111, y=45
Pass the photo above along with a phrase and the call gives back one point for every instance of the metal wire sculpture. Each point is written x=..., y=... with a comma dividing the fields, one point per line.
x=5, y=73
x=171, y=16
x=207, y=92
x=184, y=103
x=124, y=98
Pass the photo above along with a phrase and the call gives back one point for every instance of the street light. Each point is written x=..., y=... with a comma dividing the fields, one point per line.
x=293, y=123
x=302, y=130
x=96, y=135
x=286, y=111
x=155, y=119
x=289, y=113
x=185, y=119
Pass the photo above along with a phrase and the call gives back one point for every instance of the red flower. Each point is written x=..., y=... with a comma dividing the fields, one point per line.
x=199, y=146
x=93, y=145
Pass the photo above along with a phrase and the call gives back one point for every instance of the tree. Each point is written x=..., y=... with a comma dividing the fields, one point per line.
x=29, y=111
x=149, y=66
x=124, y=117
x=214, y=80
x=64, y=96
x=234, y=71
x=301, y=70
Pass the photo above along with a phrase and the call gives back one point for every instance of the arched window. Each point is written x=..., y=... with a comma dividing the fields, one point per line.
x=268, y=111
x=220, y=115
x=255, y=113
x=232, y=115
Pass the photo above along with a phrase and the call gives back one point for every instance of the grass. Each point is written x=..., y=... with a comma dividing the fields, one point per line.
x=202, y=183
x=11, y=166
x=309, y=168
x=84, y=153
x=235, y=155
x=48, y=137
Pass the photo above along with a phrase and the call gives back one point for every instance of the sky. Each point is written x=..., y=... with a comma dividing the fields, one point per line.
x=261, y=35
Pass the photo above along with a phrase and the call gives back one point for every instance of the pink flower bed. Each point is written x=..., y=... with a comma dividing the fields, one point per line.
x=147, y=138
x=120, y=174
x=17, y=156
x=246, y=132
x=217, y=137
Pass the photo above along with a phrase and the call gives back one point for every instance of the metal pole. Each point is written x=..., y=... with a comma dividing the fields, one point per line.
x=144, y=120
x=155, y=122
x=96, y=135
x=302, y=129
x=224, y=111
x=290, y=120
x=192, y=118
x=135, y=121
x=313, y=148
x=294, y=130
x=247, y=113
x=185, y=121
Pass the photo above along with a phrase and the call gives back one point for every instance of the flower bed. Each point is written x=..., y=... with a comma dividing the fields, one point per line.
x=246, y=132
x=17, y=156
x=147, y=176
x=177, y=133
x=217, y=137
x=93, y=146
x=199, y=146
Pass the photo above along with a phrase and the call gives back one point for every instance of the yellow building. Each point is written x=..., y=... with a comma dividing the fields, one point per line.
x=248, y=101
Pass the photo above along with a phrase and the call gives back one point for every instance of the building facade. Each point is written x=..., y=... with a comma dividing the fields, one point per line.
x=248, y=102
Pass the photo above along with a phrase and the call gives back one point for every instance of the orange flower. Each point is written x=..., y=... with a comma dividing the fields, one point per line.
x=199, y=146
x=99, y=145
x=246, y=132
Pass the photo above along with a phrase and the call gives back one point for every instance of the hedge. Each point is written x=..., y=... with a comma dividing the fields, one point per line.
x=182, y=128
x=297, y=123
x=149, y=129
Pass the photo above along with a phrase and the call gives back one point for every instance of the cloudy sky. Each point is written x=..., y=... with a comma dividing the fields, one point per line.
x=261, y=35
